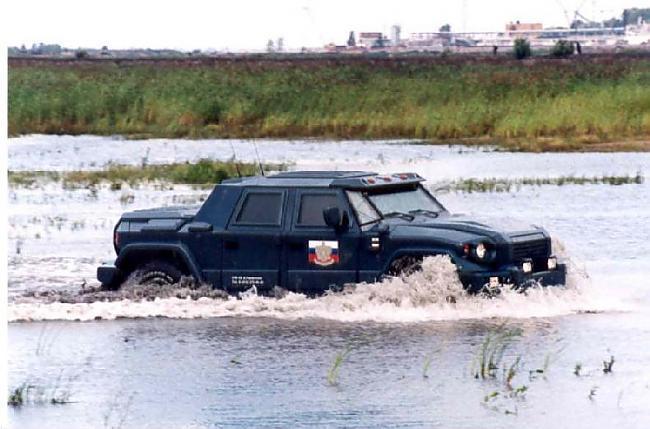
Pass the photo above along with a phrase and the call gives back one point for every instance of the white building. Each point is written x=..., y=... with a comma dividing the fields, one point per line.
x=369, y=39
x=395, y=35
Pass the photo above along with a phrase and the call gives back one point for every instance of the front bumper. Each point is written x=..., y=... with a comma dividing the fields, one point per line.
x=109, y=275
x=484, y=280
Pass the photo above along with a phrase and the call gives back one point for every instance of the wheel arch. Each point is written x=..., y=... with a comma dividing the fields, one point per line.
x=132, y=256
x=420, y=253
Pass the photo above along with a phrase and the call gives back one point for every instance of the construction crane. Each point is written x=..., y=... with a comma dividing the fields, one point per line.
x=565, y=11
x=576, y=14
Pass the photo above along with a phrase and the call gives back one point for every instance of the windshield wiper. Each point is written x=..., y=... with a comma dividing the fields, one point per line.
x=425, y=212
x=406, y=216
x=370, y=222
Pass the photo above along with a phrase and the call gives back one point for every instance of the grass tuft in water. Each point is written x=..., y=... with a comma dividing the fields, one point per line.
x=491, y=352
x=428, y=359
x=339, y=359
x=29, y=393
x=549, y=359
x=511, y=372
x=608, y=365
x=577, y=369
x=490, y=358
x=592, y=393
x=18, y=396
x=426, y=366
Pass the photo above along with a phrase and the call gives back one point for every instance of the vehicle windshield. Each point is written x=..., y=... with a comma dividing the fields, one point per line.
x=412, y=201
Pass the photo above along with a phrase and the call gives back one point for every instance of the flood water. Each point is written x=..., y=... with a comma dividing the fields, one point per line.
x=408, y=356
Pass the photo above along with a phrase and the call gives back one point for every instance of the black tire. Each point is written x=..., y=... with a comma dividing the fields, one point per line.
x=156, y=273
x=405, y=266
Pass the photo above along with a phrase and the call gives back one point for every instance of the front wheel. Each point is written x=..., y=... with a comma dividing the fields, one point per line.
x=439, y=278
x=156, y=273
x=404, y=266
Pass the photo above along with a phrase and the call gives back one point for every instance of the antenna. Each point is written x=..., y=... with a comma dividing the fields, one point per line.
x=234, y=158
x=259, y=160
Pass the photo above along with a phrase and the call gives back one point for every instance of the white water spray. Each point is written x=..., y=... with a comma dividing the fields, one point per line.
x=432, y=294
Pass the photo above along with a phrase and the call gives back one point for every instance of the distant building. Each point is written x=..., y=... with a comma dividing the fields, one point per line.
x=427, y=41
x=639, y=33
x=395, y=35
x=631, y=16
x=523, y=26
x=369, y=39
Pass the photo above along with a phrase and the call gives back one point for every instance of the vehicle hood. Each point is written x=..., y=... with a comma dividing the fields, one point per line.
x=174, y=212
x=463, y=228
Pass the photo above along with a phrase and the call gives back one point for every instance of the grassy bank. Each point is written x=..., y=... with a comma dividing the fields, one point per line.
x=555, y=104
x=203, y=172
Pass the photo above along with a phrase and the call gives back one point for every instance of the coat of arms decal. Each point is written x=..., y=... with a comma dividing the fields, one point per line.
x=323, y=252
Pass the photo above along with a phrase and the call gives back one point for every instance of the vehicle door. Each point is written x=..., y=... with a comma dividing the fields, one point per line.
x=252, y=241
x=319, y=256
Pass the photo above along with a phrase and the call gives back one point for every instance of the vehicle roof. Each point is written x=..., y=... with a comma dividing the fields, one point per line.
x=327, y=179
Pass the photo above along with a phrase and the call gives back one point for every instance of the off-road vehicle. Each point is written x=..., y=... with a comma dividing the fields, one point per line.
x=310, y=231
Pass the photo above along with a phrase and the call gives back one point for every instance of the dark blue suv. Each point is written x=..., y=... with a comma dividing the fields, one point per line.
x=311, y=231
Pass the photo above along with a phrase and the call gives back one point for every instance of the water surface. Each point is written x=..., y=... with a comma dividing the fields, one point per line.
x=260, y=362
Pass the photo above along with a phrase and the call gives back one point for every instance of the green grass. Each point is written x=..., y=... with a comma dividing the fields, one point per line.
x=333, y=373
x=18, y=395
x=579, y=101
x=508, y=185
x=490, y=354
x=203, y=172
x=32, y=394
x=608, y=365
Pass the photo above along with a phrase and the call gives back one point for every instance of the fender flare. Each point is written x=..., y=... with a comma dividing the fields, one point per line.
x=180, y=249
x=422, y=252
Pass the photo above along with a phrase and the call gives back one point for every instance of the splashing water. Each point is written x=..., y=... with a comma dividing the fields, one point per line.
x=431, y=294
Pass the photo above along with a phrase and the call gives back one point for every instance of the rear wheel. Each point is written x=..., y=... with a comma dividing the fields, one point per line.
x=156, y=273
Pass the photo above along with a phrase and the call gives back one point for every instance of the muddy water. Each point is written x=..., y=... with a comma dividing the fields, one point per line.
x=176, y=362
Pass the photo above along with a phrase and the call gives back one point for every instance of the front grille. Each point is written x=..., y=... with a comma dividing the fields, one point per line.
x=533, y=249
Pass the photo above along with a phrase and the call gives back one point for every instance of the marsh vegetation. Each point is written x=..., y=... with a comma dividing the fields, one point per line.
x=515, y=184
x=202, y=172
x=537, y=104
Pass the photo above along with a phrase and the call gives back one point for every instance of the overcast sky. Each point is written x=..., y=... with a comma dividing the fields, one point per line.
x=248, y=24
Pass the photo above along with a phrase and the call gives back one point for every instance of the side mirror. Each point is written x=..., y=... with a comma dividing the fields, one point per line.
x=335, y=218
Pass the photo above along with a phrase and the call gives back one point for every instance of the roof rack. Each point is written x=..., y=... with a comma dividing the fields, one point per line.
x=321, y=174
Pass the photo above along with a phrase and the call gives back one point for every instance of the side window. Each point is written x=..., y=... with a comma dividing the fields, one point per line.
x=312, y=206
x=261, y=209
x=366, y=213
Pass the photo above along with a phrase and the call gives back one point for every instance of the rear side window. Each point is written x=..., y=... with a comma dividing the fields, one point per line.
x=312, y=206
x=261, y=209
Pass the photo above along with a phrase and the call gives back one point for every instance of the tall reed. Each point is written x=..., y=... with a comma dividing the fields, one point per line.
x=590, y=99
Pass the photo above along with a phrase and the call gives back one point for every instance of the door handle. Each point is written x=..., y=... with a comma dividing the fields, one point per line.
x=231, y=244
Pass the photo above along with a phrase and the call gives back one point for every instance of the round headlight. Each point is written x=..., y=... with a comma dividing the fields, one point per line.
x=481, y=251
